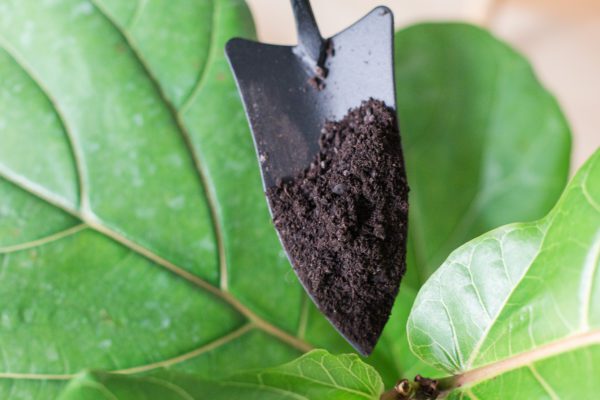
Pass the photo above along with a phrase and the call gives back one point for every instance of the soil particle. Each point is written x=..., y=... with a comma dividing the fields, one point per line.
x=329, y=48
x=343, y=221
x=321, y=72
x=316, y=83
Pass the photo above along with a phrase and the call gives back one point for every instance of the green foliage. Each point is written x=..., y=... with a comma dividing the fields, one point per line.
x=521, y=303
x=134, y=233
x=513, y=313
x=316, y=376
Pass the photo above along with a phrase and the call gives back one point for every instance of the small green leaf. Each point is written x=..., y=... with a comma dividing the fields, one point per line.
x=317, y=375
x=516, y=312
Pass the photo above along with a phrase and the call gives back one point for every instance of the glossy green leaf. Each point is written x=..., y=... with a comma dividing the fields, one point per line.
x=132, y=220
x=516, y=312
x=316, y=376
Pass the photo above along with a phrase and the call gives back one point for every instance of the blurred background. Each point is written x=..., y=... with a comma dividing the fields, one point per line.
x=560, y=37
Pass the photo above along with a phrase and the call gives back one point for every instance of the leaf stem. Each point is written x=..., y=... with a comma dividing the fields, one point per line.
x=489, y=371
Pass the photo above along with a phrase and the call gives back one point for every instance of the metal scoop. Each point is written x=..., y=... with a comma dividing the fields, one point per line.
x=290, y=91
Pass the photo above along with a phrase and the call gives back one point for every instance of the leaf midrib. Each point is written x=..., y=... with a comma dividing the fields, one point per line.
x=88, y=219
x=96, y=225
x=552, y=349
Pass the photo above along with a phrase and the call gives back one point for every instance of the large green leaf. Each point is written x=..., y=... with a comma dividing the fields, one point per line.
x=132, y=220
x=314, y=376
x=516, y=312
x=133, y=229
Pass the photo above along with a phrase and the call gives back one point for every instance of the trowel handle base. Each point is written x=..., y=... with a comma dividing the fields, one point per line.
x=310, y=42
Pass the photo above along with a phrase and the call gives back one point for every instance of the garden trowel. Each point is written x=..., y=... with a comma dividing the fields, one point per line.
x=289, y=92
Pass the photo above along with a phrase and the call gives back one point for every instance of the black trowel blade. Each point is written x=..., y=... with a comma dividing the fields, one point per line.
x=286, y=113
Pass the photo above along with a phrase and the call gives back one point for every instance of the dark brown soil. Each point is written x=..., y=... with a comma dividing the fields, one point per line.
x=343, y=221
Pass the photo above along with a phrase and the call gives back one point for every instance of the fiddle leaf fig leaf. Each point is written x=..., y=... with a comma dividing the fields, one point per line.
x=132, y=219
x=317, y=375
x=516, y=311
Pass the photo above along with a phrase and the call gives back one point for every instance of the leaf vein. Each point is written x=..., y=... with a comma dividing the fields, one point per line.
x=178, y=390
x=142, y=368
x=139, y=9
x=71, y=139
x=202, y=75
x=323, y=383
x=43, y=241
x=538, y=377
x=104, y=391
x=261, y=324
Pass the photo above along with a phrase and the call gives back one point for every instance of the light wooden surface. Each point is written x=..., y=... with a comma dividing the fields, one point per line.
x=560, y=37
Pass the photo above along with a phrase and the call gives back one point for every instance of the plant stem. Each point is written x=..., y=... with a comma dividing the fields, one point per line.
x=420, y=388
x=389, y=395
